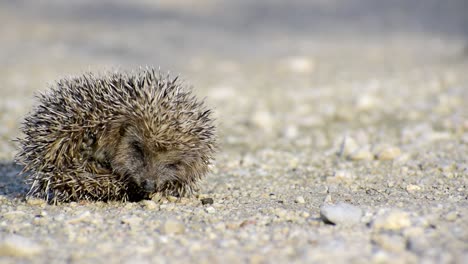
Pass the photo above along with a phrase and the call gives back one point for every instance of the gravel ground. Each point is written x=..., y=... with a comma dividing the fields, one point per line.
x=343, y=140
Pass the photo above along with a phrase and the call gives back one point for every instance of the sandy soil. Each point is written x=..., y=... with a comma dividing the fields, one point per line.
x=354, y=111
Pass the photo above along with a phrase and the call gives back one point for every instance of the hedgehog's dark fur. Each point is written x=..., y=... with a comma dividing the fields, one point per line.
x=116, y=137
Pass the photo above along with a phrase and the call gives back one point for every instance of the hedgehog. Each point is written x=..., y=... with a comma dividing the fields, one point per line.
x=121, y=136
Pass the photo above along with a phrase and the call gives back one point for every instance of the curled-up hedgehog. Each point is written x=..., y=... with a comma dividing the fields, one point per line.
x=118, y=136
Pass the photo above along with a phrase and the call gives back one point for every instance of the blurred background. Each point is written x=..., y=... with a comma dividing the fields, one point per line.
x=231, y=51
x=175, y=34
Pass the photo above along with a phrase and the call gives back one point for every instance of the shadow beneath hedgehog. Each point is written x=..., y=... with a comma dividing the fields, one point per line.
x=12, y=184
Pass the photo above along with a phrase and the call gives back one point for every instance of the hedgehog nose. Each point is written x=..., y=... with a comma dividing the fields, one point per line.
x=149, y=186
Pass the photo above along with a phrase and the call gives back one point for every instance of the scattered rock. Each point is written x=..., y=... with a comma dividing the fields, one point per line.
x=131, y=220
x=36, y=201
x=83, y=217
x=172, y=199
x=328, y=199
x=341, y=176
x=341, y=214
x=210, y=210
x=299, y=200
x=14, y=215
x=348, y=146
x=149, y=204
x=388, y=153
x=361, y=154
x=413, y=231
x=280, y=212
x=129, y=206
x=18, y=246
x=419, y=244
x=413, y=188
x=392, y=220
x=206, y=201
x=451, y=216
x=247, y=222
x=157, y=197
x=390, y=242
x=172, y=226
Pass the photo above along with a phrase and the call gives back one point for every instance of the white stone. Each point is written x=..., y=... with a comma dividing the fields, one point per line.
x=210, y=210
x=299, y=200
x=341, y=214
x=18, y=246
x=149, y=204
x=172, y=226
x=83, y=217
x=392, y=220
x=361, y=154
x=413, y=188
x=390, y=242
x=132, y=220
x=348, y=146
x=388, y=153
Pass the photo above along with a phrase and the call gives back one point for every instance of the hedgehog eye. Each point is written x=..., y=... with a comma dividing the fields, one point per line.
x=138, y=148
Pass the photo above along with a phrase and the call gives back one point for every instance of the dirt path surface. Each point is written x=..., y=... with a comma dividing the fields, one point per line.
x=343, y=128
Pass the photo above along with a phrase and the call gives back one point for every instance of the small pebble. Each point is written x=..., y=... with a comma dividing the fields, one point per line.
x=361, y=154
x=131, y=220
x=390, y=242
x=392, y=220
x=348, y=146
x=341, y=214
x=451, y=216
x=36, y=201
x=419, y=244
x=172, y=199
x=14, y=215
x=210, y=210
x=280, y=212
x=18, y=246
x=388, y=153
x=299, y=200
x=328, y=199
x=149, y=204
x=341, y=176
x=83, y=217
x=247, y=222
x=381, y=257
x=172, y=226
x=413, y=188
x=205, y=201
x=129, y=206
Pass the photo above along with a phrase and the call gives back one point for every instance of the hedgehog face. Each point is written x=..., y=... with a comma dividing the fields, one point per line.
x=147, y=168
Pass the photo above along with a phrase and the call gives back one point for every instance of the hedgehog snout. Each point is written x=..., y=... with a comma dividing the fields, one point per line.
x=150, y=177
x=149, y=186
